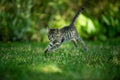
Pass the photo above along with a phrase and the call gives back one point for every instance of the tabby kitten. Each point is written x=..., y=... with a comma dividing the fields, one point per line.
x=58, y=36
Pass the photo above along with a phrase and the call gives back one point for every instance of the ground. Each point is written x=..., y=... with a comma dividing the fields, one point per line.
x=26, y=61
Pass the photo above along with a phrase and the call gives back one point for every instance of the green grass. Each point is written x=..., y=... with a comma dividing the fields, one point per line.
x=26, y=61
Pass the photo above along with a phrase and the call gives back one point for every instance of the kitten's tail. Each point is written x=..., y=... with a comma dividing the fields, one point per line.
x=75, y=17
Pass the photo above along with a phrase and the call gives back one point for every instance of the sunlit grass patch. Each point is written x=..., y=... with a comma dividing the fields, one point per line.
x=47, y=68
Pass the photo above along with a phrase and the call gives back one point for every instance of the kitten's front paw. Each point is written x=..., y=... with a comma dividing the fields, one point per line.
x=86, y=49
x=46, y=51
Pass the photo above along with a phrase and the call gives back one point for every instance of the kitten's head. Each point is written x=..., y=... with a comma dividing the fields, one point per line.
x=53, y=34
x=53, y=31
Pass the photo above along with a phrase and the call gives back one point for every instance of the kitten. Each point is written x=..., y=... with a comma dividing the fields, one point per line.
x=58, y=36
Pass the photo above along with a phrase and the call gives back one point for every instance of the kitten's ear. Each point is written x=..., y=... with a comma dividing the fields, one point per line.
x=58, y=30
x=49, y=30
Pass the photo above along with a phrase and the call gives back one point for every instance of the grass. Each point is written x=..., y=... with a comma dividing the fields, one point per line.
x=26, y=61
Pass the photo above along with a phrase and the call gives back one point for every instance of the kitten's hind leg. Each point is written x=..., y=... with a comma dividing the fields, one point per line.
x=74, y=42
x=82, y=43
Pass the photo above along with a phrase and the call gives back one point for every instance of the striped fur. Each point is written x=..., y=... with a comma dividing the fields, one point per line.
x=68, y=33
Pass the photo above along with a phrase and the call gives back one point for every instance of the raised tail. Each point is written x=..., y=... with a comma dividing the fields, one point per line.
x=75, y=17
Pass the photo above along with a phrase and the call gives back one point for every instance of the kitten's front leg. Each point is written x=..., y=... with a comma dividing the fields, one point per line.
x=48, y=48
x=74, y=42
x=52, y=46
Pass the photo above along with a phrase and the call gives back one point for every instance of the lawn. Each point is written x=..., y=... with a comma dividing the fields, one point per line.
x=26, y=61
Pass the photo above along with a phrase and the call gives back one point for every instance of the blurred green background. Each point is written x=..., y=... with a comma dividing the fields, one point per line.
x=29, y=20
x=23, y=38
